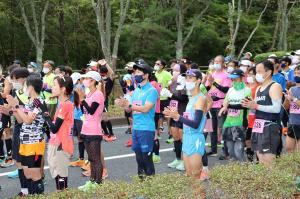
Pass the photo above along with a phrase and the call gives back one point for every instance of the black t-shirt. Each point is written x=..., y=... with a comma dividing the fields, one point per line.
x=109, y=84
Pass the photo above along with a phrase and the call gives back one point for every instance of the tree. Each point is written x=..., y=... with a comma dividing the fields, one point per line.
x=181, y=40
x=254, y=30
x=38, y=37
x=104, y=22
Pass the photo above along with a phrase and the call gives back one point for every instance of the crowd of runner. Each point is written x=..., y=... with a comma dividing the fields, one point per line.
x=246, y=108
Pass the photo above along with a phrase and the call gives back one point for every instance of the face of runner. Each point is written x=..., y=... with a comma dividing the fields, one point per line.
x=218, y=63
x=262, y=74
x=47, y=68
x=56, y=90
x=191, y=83
x=88, y=82
x=251, y=78
x=140, y=77
x=158, y=66
x=297, y=75
x=238, y=83
x=18, y=83
x=176, y=71
x=230, y=67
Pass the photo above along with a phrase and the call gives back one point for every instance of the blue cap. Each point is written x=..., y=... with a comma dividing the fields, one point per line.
x=236, y=74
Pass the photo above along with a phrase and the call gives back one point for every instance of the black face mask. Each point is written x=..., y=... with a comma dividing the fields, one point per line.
x=130, y=71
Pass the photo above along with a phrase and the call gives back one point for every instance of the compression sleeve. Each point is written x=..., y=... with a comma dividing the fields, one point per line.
x=54, y=127
x=90, y=109
x=274, y=108
x=221, y=88
x=193, y=123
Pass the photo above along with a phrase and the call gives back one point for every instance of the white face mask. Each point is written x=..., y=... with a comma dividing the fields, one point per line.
x=25, y=91
x=259, y=78
x=156, y=67
x=217, y=66
x=30, y=70
x=190, y=85
x=295, y=59
x=230, y=69
x=46, y=70
x=244, y=68
x=250, y=80
x=17, y=85
x=180, y=82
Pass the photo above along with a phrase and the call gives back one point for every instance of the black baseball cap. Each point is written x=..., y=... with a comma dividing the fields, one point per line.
x=236, y=74
x=142, y=65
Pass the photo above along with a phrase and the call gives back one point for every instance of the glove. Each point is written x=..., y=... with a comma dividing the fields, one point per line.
x=165, y=93
x=38, y=104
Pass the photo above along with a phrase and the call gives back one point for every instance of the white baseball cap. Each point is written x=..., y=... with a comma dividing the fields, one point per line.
x=75, y=77
x=297, y=52
x=272, y=55
x=129, y=65
x=92, y=74
x=249, y=53
x=246, y=62
x=93, y=63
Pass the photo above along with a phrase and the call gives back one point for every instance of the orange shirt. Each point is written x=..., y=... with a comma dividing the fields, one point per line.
x=251, y=116
x=63, y=136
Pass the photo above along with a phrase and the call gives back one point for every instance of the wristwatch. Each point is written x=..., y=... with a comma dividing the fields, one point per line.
x=17, y=106
x=130, y=105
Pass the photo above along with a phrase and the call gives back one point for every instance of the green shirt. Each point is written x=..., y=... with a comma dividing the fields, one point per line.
x=49, y=82
x=163, y=78
x=234, y=97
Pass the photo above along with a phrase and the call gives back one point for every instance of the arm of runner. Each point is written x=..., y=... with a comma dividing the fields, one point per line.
x=90, y=109
x=54, y=127
x=223, y=89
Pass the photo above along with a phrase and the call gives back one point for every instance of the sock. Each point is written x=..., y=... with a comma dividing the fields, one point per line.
x=81, y=150
x=1, y=149
x=8, y=144
x=109, y=126
x=23, y=180
x=61, y=182
x=29, y=186
x=38, y=186
x=156, y=147
x=104, y=128
x=178, y=148
x=205, y=167
x=205, y=160
x=127, y=120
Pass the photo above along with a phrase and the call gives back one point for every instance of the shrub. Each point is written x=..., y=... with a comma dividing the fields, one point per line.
x=263, y=56
x=246, y=180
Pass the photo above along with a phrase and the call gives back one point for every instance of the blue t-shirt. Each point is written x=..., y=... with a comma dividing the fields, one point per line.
x=280, y=79
x=77, y=110
x=144, y=121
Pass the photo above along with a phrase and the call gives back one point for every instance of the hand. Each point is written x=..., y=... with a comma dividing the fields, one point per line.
x=251, y=104
x=222, y=111
x=171, y=113
x=165, y=93
x=31, y=116
x=102, y=62
x=4, y=109
x=289, y=96
x=122, y=102
x=12, y=102
x=81, y=94
x=210, y=79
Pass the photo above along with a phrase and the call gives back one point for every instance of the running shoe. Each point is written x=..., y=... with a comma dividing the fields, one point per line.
x=128, y=131
x=88, y=186
x=77, y=163
x=129, y=143
x=7, y=163
x=220, y=145
x=204, y=175
x=105, y=137
x=112, y=138
x=86, y=166
x=86, y=173
x=2, y=160
x=180, y=166
x=170, y=141
x=174, y=164
x=156, y=159
x=13, y=174
x=104, y=174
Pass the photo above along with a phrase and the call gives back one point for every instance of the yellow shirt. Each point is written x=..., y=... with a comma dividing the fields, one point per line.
x=49, y=81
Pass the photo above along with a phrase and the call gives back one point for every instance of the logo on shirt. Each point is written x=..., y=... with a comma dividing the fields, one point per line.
x=260, y=98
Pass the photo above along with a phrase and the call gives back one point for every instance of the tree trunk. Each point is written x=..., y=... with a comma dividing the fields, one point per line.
x=234, y=28
x=39, y=55
x=61, y=20
x=179, y=22
x=275, y=34
x=282, y=44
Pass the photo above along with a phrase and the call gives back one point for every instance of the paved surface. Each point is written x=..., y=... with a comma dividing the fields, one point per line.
x=120, y=162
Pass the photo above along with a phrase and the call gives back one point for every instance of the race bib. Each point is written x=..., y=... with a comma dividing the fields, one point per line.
x=258, y=126
x=137, y=103
x=174, y=104
x=294, y=108
x=234, y=112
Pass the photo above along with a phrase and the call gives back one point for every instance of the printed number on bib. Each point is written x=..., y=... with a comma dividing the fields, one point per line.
x=174, y=104
x=258, y=126
x=234, y=112
x=294, y=108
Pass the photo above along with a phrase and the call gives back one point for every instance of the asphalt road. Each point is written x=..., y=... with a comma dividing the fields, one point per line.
x=120, y=162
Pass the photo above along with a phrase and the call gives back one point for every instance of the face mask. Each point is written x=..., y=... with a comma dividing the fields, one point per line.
x=217, y=66
x=230, y=69
x=156, y=67
x=25, y=91
x=104, y=78
x=46, y=70
x=130, y=71
x=238, y=85
x=283, y=65
x=244, y=68
x=30, y=70
x=190, y=85
x=17, y=86
x=175, y=74
x=138, y=79
x=86, y=83
x=250, y=80
x=297, y=79
x=259, y=78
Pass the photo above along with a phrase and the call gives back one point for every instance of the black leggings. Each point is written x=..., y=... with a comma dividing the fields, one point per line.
x=93, y=149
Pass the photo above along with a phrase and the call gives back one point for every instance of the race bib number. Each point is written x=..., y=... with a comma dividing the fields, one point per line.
x=258, y=126
x=137, y=103
x=174, y=104
x=233, y=112
x=294, y=108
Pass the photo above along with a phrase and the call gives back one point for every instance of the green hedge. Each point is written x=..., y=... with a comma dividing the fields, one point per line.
x=263, y=56
x=230, y=181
